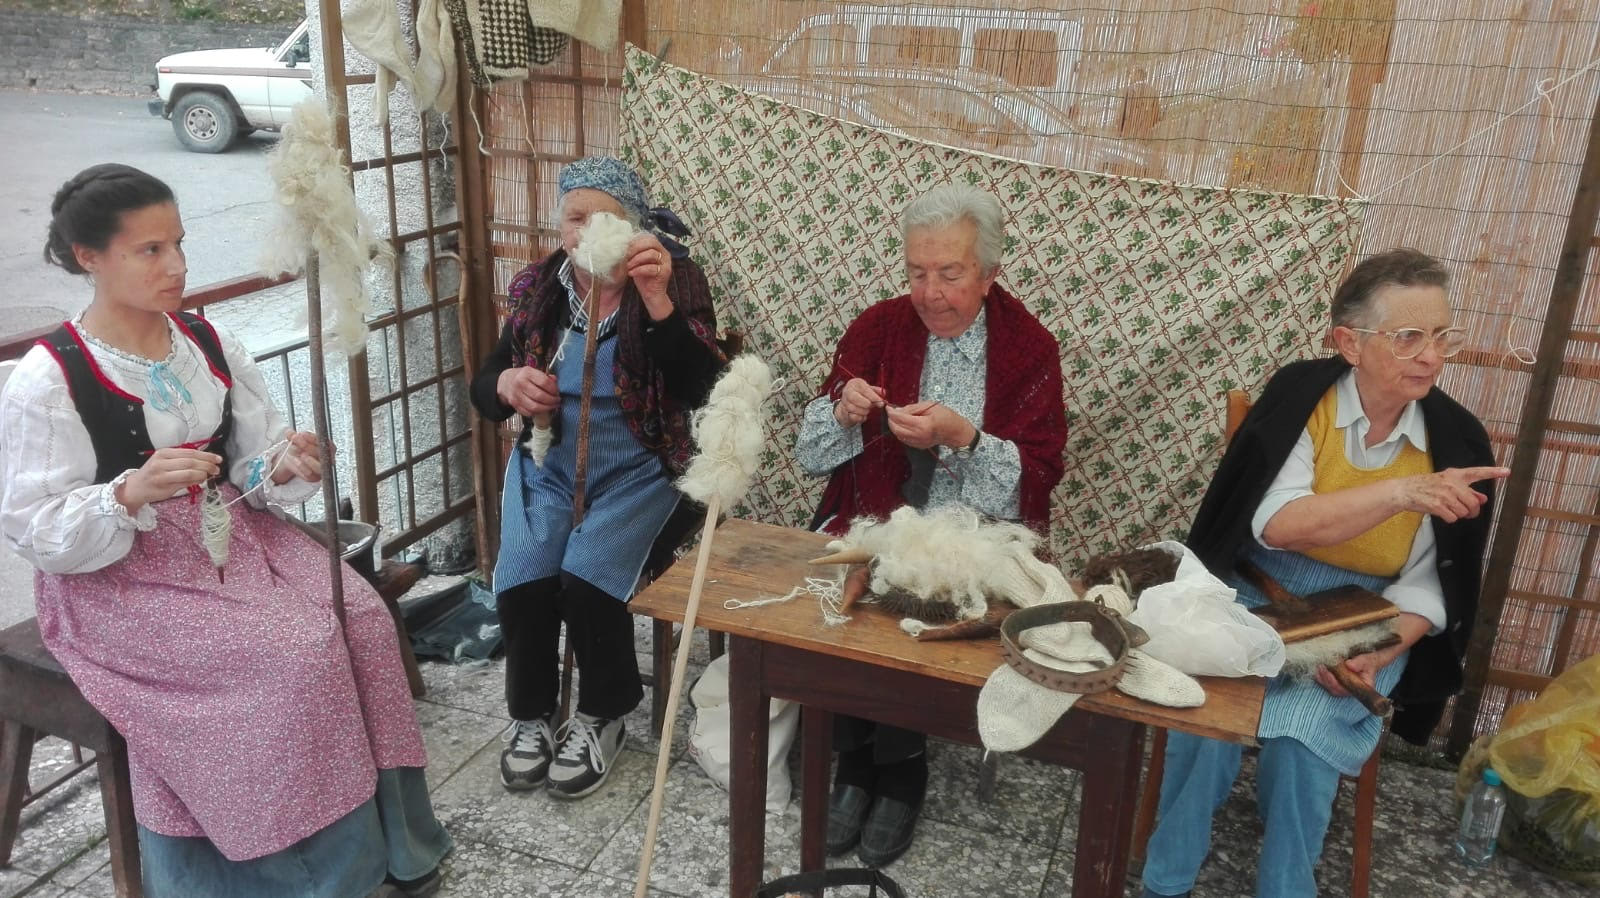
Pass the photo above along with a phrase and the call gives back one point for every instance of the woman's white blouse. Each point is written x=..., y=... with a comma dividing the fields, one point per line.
x=51, y=510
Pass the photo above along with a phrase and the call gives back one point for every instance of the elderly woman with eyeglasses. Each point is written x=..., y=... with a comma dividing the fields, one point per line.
x=1352, y=469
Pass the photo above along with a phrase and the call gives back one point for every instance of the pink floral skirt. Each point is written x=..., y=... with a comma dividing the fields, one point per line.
x=250, y=720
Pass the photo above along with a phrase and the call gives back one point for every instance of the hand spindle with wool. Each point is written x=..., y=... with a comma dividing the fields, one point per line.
x=729, y=434
x=602, y=245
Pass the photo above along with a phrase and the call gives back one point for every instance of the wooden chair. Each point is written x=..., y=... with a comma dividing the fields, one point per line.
x=1238, y=405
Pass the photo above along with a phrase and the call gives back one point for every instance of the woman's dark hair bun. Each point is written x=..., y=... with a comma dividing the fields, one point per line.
x=87, y=210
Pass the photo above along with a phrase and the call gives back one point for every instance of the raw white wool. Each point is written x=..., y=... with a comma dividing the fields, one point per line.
x=603, y=244
x=316, y=213
x=728, y=434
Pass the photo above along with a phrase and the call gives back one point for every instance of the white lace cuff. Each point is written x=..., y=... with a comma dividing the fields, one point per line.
x=144, y=521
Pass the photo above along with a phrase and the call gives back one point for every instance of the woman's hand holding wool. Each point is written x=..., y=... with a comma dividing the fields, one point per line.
x=856, y=401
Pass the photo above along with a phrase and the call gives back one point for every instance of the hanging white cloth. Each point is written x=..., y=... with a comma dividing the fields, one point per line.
x=436, y=57
x=373, y=28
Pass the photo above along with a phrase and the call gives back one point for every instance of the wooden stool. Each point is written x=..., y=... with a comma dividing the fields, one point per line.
x=37, y=699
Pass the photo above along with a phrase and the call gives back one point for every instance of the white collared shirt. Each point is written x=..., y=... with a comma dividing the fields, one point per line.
x=1417, y=588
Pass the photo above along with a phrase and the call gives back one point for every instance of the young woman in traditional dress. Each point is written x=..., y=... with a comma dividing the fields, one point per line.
x=271, y=753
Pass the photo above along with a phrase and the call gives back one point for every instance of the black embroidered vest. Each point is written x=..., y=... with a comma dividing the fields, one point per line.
x=114, y=417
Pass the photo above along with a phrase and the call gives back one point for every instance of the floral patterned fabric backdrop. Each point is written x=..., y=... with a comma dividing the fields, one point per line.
x=1162, y=296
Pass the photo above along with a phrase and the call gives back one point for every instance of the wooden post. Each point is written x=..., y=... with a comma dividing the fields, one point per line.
x=1564, y=295
x=636, y=23
x=362, y=450
x=319, y=406
x=1365, y=76
x=479, y=329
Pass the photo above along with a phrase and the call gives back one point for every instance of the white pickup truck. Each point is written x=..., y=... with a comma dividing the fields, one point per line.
x=214, y=97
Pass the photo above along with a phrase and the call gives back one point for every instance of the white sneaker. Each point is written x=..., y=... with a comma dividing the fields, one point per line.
x=585, y=751
x=530, y=748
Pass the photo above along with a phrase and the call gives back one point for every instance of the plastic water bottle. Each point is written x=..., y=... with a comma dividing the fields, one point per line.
x=1480, y=820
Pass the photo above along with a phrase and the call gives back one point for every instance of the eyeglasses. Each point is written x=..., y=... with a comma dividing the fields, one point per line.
x=1409, y=342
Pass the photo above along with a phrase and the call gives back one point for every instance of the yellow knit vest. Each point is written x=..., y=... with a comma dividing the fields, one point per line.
x=1383, y=550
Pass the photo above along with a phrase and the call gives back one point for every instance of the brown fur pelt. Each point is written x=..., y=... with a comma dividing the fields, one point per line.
x=1143, y=567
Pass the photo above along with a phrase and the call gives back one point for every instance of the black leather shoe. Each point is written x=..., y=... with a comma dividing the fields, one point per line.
x=888, y=831
x=847, y=811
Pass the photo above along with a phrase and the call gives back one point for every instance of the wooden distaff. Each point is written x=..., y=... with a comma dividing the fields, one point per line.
x=1329, y=611
x=719, y=475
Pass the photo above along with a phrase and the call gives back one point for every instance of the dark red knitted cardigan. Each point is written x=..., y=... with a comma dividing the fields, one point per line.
x=1023, y=403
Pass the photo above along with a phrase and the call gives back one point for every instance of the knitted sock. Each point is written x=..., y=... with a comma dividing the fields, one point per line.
x=905, y=780
x=856, y=768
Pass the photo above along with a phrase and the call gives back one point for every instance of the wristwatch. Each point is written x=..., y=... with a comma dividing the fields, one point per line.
x=966, y=451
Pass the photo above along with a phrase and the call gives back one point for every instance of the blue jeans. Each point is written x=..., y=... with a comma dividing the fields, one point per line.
x=1295, y=791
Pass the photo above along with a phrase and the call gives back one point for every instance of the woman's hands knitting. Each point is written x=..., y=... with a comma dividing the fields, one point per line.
x=856, y=401
x=924, y=425
x=167, y=472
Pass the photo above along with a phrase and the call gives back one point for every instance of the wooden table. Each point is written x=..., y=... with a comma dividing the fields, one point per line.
x=869, y=668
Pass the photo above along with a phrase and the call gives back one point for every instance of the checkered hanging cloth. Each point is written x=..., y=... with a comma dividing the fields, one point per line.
x=500, y=40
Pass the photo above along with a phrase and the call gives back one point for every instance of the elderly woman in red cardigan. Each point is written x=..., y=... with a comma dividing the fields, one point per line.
x=948, y=394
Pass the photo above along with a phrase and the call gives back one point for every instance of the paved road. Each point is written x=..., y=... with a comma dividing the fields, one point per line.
x=224, y=198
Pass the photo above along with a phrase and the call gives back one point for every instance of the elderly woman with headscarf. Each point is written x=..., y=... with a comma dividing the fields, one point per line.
x=655, y=360
x=1352, y=469
x=951, y=393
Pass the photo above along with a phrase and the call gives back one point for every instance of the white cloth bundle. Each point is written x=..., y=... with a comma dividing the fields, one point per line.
x=1196, y=626
x=435, y=82
x=373, y=28
x=1015, y=712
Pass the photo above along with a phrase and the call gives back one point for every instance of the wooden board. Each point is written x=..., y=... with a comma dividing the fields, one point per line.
x=751, y=561
x=1332, y=611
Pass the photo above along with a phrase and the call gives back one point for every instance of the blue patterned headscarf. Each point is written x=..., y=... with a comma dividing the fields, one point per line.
x=615, y=178
x=609, y=175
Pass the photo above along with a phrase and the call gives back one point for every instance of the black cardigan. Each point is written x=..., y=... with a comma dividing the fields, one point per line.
x=1456, y=439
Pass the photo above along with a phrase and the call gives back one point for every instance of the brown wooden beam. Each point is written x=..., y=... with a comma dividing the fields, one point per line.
x=1518, y=680
x=636, y=23
x=1565, y=293
x=477, y=324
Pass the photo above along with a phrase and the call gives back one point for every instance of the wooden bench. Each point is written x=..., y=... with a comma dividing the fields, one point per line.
x=38, y=699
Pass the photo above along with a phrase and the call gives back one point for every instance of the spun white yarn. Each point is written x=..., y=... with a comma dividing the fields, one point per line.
x=603, y=244
x=316, y=212
x=541, y=436
x=729, y=434
x=216, y=525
